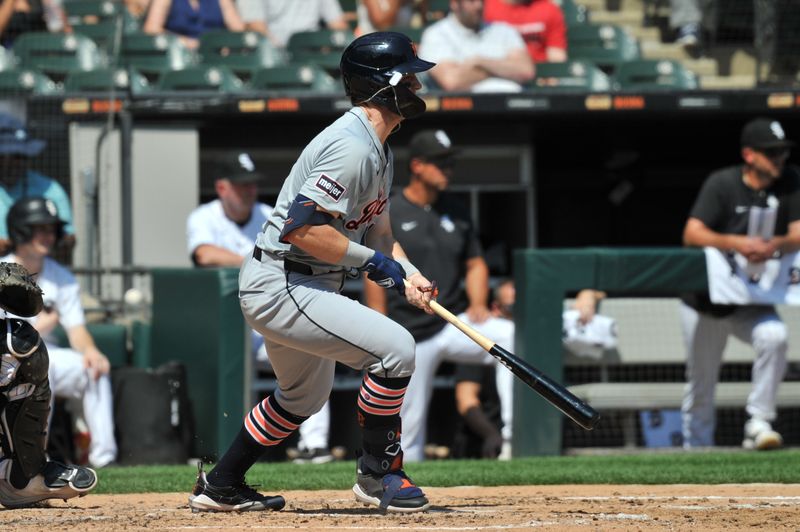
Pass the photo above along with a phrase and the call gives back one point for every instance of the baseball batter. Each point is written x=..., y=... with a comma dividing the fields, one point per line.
x=332, y=219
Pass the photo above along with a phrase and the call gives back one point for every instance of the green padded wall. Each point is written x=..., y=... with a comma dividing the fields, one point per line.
x=544, y=278
x=196, y=320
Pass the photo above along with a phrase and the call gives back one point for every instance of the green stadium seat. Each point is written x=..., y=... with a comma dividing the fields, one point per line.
x=57, y=54
x=606, y=45
x=321, y=47
x=7, y=59
x=111, y=339
x=202, y=78
x=654, y=74
x=415, y=34
x=437, y=9
x=82, y=12
x=569, y=76
x=294, y=77
x=154, y=54
x=25, y=81
x=123, y=80
x=101, y=33
x=242, y=52
x=574, y=13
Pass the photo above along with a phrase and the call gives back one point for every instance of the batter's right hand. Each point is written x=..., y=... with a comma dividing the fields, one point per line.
x=385, y=272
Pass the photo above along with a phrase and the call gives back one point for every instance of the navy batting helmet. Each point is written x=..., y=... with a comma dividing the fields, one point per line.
x=373, y=66
x=26, y=213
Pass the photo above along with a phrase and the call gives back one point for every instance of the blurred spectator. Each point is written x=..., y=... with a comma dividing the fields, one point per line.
x=191, y=18
x=484, y=430
x=137, y=8
x=540, y=22
x=720, y=218
x=22, y=16
x=437, y=234
x=17, y=180
x=222, y=233
x=280, y=19
x=472, y=55
x=78, y=372
x=687, y=19
x=376, y=15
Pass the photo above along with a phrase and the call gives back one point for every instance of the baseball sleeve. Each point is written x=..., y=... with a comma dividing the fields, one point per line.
x=334, y=182
x=68, y=301
x=198, y=229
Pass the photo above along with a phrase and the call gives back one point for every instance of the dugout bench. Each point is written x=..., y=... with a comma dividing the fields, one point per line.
x=649, y=334
x=544, y=277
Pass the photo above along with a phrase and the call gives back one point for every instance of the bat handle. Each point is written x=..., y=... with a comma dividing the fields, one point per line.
x=451, y=318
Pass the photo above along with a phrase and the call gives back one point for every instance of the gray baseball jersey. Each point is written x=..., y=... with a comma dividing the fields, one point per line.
x=346, y=171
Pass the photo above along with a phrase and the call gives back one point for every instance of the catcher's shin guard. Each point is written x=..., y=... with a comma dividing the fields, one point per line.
x=24, y=408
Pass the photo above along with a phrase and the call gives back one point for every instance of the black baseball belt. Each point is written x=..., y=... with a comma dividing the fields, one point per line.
x=288, y=264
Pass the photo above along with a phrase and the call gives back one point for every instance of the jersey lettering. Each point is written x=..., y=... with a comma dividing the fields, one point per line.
x=371, y=210
x=330, y=187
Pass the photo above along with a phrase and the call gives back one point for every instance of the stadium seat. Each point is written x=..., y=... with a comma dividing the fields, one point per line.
x=437, y=9
x=126, y=81
x=25, y=81
x=242, y=52
x=321, y=47
x=648, y=74
x=202, y=78
x=155, y=54
x=101, y=33
x=415, y=34
x=569, y=76
x=574, y=13
x=294, y=77
x=606, y=45
x=87, y=12
x=57, y=54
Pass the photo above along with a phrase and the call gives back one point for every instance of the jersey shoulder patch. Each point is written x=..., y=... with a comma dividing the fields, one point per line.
x=330, y=187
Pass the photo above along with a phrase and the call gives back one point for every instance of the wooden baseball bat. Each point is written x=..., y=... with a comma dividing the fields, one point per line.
x=556, y=394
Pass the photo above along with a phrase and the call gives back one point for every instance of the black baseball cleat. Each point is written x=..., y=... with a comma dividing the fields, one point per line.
x=56, y=481
x=206, y=497
x=390, y=492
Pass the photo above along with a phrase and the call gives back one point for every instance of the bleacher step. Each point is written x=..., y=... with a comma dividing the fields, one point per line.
x=620, y=18
x=727, y=82
x=660, y=50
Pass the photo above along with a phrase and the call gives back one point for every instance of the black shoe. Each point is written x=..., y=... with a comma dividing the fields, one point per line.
x=206, y=497
x=56, y=481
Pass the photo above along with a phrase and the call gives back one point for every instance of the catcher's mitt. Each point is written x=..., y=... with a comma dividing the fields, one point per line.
x=19, y=293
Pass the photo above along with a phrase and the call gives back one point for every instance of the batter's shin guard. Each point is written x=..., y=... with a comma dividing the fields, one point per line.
x=379, y=402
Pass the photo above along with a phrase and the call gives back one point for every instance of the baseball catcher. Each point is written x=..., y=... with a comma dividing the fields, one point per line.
x=26, y=474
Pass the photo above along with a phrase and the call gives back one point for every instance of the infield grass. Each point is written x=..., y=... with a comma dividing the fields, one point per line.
x=712, y=467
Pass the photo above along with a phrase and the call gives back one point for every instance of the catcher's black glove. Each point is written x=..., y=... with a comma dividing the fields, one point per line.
x=19, y=293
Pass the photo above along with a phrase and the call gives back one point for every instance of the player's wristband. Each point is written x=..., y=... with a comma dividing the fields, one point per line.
x=409, y=268
x=356, y=255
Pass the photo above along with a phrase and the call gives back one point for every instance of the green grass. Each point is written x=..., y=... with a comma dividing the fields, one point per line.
x=660, y=468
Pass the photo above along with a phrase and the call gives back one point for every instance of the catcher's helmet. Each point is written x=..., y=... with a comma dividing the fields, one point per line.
x=374, y=64
x=26, y=213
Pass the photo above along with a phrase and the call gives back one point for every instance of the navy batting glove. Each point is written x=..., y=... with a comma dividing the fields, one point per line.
x=385, y=272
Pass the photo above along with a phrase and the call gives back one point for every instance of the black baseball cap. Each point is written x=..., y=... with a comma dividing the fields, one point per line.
x=431, y=144
x=764, y=133
x=238, y=167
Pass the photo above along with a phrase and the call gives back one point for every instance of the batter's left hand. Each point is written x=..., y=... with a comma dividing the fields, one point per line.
x=419, y=292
